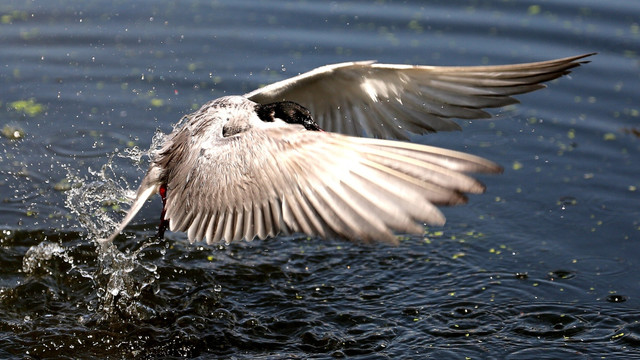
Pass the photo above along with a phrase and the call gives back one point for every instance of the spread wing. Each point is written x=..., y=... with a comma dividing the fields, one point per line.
x=264, y=181
x=389, y=101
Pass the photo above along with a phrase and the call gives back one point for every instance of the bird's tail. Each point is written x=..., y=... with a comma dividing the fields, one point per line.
x=150, y=185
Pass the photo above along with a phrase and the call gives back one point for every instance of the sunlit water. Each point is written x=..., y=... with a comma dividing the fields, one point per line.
x=542, y=266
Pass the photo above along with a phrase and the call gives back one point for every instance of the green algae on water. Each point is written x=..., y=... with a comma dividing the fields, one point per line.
x=28, y=107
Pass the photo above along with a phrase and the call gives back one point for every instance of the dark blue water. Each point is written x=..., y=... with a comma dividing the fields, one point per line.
x=542, y=266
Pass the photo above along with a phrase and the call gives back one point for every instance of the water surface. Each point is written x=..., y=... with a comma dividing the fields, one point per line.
x=544, y=265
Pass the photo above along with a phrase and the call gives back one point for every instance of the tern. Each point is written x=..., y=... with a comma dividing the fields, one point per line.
x=322, y=153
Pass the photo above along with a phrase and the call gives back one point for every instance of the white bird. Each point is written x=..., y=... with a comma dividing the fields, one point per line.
x=259, y=164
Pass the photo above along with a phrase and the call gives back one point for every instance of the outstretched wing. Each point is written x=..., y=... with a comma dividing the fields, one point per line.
x=389, y=101
x=264, y=181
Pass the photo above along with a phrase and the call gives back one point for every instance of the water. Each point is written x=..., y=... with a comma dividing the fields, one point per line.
x=544, y=265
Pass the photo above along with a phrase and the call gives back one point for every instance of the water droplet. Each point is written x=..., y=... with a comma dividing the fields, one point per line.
x=567, y=201
x=150, y=267
x=615, y=298
x=521, y=275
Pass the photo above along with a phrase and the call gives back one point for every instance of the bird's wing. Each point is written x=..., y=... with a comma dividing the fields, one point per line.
x=264, y=181
x=389, y=101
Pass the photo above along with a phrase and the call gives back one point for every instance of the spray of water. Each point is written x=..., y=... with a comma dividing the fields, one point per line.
x=98, y=200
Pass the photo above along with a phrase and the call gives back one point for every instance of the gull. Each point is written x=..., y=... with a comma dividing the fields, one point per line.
x=321, y=153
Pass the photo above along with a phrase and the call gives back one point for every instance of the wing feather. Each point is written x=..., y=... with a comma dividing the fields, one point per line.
x=219, y=227
x=196, y=223
x=228, y=230
x=355, y=98
x=211, y=227
x=319, y=183
x=248, y=228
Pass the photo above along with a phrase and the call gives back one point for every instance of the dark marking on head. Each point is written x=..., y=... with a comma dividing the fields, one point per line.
x=287, y=111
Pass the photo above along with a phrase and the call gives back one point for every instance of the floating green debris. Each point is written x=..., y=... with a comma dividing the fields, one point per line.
x=28, y=107
x=415, y=26
x=12, y=132
x=533, y=10
x=609, y=136
x=29, y=34
x=14, y=15
x=192, y=67
x=157, y=102
x=62, y=185
x=517, y=165
x=111, y=205
x=617, y=336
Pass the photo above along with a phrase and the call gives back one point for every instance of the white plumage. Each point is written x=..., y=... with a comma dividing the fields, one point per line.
x=252, y=166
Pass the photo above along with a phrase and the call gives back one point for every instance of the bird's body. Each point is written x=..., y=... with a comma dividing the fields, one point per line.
x=257, y=165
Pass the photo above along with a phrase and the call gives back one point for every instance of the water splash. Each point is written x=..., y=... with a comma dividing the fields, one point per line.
x=124, y=278
x=96, y=200
x=37, y=256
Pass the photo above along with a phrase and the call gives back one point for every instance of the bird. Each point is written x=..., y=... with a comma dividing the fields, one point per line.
x=325, y=153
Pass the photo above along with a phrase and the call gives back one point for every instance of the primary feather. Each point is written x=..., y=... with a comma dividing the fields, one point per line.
x=366, y=98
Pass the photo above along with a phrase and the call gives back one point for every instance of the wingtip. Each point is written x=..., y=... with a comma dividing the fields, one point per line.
x=497, y=169
x=575, y=59
x=146, y=190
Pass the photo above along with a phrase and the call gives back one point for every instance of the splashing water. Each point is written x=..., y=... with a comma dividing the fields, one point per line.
x=125, y=277
x=96, y=200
